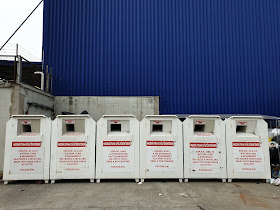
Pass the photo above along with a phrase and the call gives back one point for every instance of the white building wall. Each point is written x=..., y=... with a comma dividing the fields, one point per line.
x=5, y=105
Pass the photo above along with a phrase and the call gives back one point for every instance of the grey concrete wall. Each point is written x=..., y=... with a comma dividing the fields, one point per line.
x=5, y=105
x=33, y=95
x=13, y=100
x=98, y=106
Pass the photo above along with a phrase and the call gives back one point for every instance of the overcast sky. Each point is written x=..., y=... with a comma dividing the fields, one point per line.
x=29, y=37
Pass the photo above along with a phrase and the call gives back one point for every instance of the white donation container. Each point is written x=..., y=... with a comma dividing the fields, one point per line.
x=117, y=147
x=247, y=148
x=204, y=147
x=161, y=147
x=73, y=148
x=27, y=148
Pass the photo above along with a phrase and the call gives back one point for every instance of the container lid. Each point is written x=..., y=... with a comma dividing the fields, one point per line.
x=205, y=116
x=246, y=117
x=28, y=116
x=72, y=116
x=124, y=115
x=152, y=116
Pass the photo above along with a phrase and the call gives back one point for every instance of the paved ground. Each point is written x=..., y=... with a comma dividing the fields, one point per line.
x=130, y=195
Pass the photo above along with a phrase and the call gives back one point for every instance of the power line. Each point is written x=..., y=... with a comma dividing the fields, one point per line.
x=28, y=53
x=21, y=25
x=10, y=49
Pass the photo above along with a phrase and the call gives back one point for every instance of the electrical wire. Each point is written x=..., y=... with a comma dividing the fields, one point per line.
x=21, y=24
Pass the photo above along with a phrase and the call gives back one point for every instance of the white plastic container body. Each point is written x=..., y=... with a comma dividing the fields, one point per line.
x=73, y=148
x=247, y=148
x=117, y=147
x=161, y=147
x=27, y=148
x=204, y=148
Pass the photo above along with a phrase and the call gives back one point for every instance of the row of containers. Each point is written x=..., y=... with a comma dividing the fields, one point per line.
x=158, y=147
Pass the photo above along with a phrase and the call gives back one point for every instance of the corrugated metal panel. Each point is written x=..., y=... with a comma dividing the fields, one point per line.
x=200, y=56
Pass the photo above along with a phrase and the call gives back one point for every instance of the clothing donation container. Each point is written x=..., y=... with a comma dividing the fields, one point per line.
x=117, y=149
x=247, y=148
x=73, y=148
x=27, y=148
x=161, y=147
x=204, y=147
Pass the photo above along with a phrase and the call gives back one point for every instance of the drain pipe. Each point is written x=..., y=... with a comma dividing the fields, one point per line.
x=42, y=79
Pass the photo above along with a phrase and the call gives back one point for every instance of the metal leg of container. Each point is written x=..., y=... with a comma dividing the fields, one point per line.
x=136, y=180
x=52, y=181
x=91, y=180
x=180, y=180
x=229, y=180
x=6, y=182
x=46, y=181
x=224, y=180
x=142, y=180
x=186, y=180
x=97, y=180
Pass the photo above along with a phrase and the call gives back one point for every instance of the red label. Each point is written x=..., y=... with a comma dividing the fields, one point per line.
x=116, y=143
x=25, y=121
x=200, y=122
x=26, y=144
x=115, y=121
x=69, y=121
x=246, y=144
x=203, y=145
x=242, y=123
x=160, y=143
x=71, y=144
x=157, y=121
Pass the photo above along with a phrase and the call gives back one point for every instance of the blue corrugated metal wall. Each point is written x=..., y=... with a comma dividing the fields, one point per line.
x=199, y=56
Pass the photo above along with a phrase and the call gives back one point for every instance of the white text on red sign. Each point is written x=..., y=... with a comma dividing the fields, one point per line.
x=160, y=143
x=26, y=144
x=116, y=143
x=71, y=144
x=246, y=144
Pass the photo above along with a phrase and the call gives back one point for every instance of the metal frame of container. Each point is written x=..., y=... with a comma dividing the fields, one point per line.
x=251, y=142
x=117, y=135
x=77, y=152
x=161, y=147
x=204, y=147
x=21, y=146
